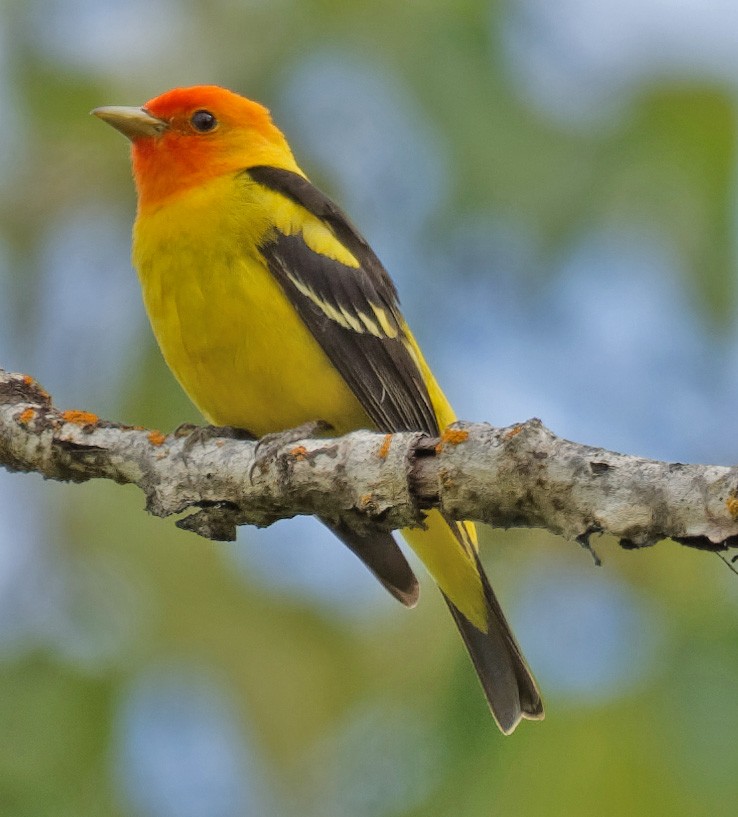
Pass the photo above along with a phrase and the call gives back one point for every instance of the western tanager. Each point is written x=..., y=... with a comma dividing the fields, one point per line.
x=272, y=310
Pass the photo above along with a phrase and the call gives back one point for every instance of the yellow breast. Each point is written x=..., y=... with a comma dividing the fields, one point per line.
x=225, y=328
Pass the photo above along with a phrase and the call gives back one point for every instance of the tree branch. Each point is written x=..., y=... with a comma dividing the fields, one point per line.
x=521, y=476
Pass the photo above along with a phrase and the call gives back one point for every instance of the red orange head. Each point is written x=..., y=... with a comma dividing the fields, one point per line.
x=190, y=135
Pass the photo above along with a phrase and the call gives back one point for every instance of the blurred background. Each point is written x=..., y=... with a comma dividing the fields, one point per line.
x=553, y=188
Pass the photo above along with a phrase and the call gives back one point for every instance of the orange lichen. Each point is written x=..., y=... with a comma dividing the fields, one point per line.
x=452, y=436
x=385, y=447
x=366, y=503
x=29, y=381
x=157, y=438
x=731, y=503
x=80, y=418
x=299, y=452
x=26, y=416
x=513, y=432
x=455, y=436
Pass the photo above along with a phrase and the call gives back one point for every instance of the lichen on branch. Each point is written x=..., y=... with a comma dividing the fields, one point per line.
x=520, y=476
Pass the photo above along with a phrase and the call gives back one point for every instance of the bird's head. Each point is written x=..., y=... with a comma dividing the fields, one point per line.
x=190, y=135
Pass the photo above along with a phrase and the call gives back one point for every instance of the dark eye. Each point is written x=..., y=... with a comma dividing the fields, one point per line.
x=203, y=121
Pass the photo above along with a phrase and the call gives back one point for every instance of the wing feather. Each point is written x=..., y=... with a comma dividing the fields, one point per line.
x=354, y=315
x=353, y=312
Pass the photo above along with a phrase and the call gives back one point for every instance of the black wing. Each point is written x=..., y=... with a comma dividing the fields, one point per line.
x=352, y=312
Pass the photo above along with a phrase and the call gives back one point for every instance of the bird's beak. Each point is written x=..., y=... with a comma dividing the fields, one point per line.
x=131, y=122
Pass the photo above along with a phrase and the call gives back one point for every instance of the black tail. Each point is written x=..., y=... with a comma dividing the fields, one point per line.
x=507, y=682
x=381, y=554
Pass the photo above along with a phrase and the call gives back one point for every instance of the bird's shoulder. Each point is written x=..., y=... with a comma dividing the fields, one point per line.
x=299, y=190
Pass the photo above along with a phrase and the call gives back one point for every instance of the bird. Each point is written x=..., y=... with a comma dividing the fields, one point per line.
x=272, y=311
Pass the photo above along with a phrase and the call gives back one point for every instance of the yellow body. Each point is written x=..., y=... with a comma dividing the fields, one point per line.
x=272, y=311
x=221, y=319
x=242, y=353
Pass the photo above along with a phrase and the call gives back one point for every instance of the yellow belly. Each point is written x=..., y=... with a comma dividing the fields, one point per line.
x=226, y=330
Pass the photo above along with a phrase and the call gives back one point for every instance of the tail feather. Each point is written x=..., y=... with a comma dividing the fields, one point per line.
x=448, y=550
x=381, y=554
x=507, y=682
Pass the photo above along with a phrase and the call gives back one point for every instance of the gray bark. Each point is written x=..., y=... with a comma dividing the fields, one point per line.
x=520, y=476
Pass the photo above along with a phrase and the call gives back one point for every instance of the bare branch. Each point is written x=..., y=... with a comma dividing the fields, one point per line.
x=521, y=476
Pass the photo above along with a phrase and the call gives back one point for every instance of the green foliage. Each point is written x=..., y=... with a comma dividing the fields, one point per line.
x=298, y=670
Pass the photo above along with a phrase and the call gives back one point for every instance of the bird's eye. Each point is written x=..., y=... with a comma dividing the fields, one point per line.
x=203, y=121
